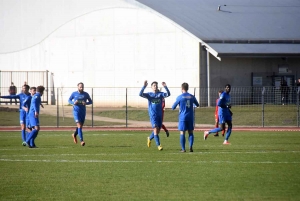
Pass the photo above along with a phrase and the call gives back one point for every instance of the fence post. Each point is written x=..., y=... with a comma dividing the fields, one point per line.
x=57, y=109
x=126, y=106
x=194, y=108
x=46, y=86
x=93, y=107
x=0, y=85
x=298, y=93
x=263, y=106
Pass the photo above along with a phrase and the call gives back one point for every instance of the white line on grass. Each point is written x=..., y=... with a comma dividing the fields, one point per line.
x=59, y=135
x=117, y=154
x=125, y=161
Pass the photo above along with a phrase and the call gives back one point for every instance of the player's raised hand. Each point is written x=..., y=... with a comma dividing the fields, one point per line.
x=145, y=83
x=164, y=84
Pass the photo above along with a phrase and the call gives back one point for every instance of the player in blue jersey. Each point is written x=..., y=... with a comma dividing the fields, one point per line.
x=22, y=97
x=186, y=102
x=225, y=115
x=34, y=112
x=26, y=107
x=155, y=100
x=79, y=99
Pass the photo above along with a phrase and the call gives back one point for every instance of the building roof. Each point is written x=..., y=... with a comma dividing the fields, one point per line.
x=257, y=50
x=252, y=22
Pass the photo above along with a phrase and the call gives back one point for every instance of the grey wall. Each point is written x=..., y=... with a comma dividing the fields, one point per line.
x=238, y=71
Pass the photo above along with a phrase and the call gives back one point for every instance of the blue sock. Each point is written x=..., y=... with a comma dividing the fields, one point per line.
x=191, y=139
x=228, y=133
x=33, y=139
x=151, y=136
x=31, y=142
x=23, y=134
x=215, y=130
x=76, y=132
x=80, y=134
x=156, y=137
x=31, y=136
x=182, y=141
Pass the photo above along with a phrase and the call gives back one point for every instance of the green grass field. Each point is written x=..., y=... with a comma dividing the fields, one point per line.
x=119, y=166
x=279, y=115
x=12, y=119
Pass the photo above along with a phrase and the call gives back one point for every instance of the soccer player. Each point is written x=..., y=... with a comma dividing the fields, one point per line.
x=155, y=100
x=163, y=112
x=186, y=102
x=217, y=116
x=34, y=112
x=79, y=99
x=225, y=115
x=26, y=107
x=22, y=97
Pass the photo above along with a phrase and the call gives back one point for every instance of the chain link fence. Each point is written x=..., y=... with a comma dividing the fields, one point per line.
x=122, y=107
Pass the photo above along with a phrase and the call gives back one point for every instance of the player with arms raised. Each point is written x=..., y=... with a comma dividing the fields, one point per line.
x=155, y=100
x=186, y=102
x=22, y=97
x=79, y=99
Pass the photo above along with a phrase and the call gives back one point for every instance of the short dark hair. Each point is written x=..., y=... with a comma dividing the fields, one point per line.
x=228, y=85
x=185, y=86
x=80, y=83
x=32, y=88
x=26, y=86
x=40, y=89
x=154, y=83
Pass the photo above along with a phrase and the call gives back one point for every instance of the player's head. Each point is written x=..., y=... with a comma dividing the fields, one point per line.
x=154, y=86
x=220, y=92
x=227, y=88
x=80, y=86
x=32, y=90
x=185, y=87
x=25, y=88
x=40, y=89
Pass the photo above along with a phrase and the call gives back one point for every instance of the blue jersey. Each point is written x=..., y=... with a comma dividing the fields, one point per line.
x=186, y=103
x=223, y=103
x=35, y=103
x=155, y=101
x=27, y=102
x=79, y=108
x=20, y=96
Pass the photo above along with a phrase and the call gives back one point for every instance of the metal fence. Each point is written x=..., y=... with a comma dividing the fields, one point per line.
x=32, y=78
x=252, y=106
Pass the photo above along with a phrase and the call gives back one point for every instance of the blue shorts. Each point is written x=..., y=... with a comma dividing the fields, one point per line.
x=156, y=122
x=224, y=118
x=22, y=117
x=33, y=121
x=27, y=121
x=185, y=125
x=78, y=117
